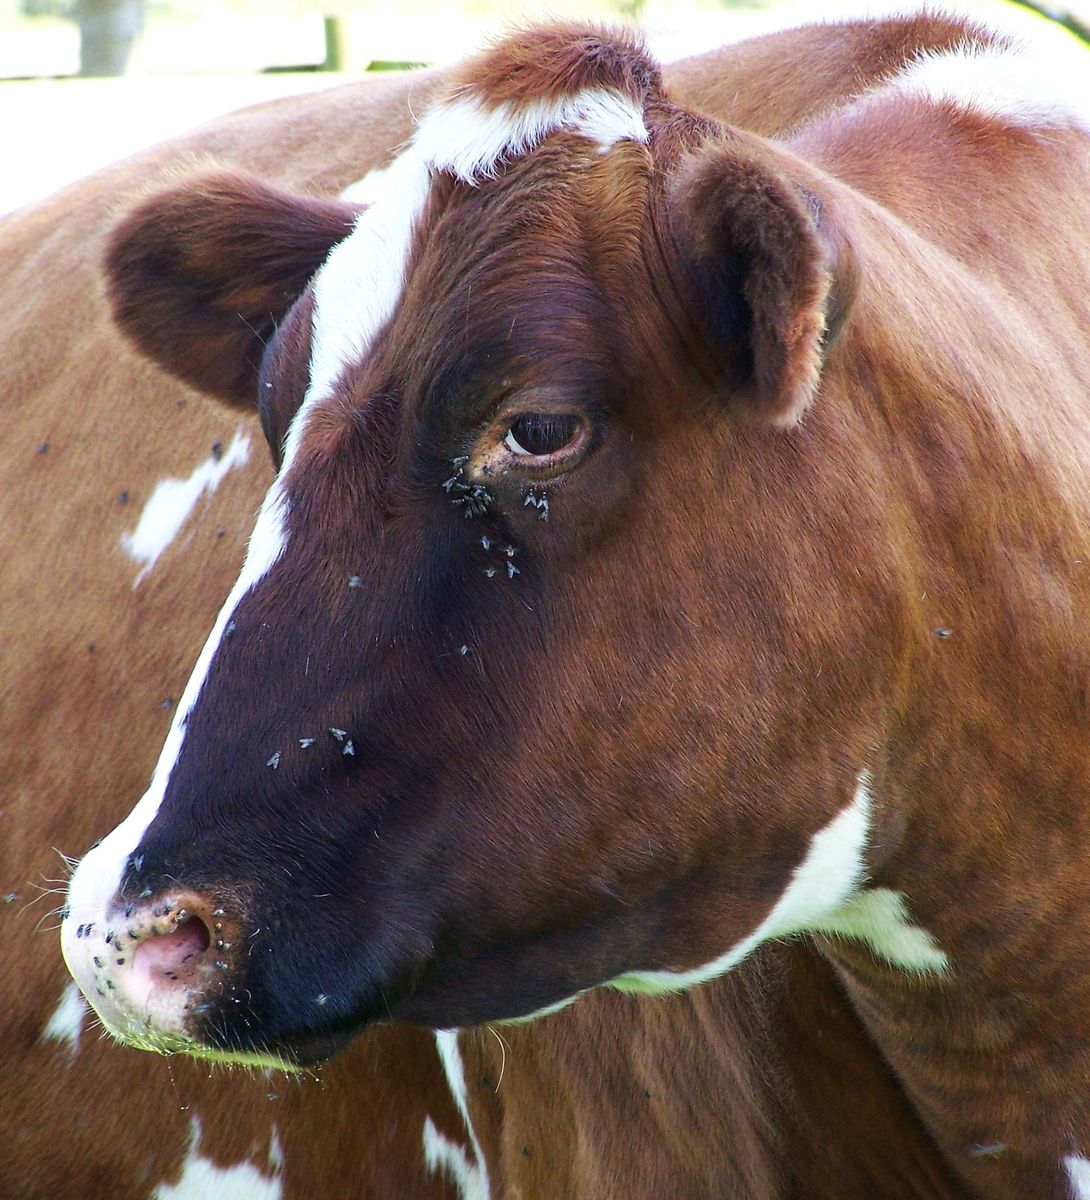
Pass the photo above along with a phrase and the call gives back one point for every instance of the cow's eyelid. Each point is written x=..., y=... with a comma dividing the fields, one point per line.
x=543, y=434
x=521, y=441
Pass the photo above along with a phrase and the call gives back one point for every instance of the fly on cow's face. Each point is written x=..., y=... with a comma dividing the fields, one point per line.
x=540, y=502
x=475, y=498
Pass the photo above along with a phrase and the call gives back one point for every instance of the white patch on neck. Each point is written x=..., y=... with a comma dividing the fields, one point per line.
x=547, y=1011
x=169, y=506
x=822, y=883
x=276, y=1152
x=474, y=1180
x=1078, y=1173
x=444, y=1156
x=66, y=1023
x=879, y=917
x=1043, y=84
x=200, y=1178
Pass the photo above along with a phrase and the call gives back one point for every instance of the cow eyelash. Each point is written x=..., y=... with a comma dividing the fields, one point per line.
x=536, y=442
x=539, y=435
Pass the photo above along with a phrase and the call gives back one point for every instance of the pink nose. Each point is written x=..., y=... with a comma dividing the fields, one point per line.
x=150, y=972
x=173, y=955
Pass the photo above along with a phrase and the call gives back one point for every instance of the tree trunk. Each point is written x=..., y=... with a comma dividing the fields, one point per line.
x=107, y=29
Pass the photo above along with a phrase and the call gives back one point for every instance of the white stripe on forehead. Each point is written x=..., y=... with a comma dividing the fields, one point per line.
x=471, y=140
x=358, y=287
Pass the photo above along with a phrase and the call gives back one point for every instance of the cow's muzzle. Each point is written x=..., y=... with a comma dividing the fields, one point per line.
x=151, y=970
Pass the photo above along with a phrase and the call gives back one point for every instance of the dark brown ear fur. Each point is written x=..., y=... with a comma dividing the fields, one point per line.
x=200, y=274
x=770, y=275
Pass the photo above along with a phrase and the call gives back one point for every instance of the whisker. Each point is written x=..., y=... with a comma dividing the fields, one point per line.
x=70, y=862
x=503, y=1055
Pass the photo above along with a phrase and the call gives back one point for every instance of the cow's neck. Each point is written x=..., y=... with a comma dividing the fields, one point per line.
x=995, y=1052
x=761, y=1084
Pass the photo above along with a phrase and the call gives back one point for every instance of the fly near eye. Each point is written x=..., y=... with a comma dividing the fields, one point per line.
x=537, y=435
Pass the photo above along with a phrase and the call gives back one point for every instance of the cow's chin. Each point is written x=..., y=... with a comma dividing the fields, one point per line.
x=304, y=1052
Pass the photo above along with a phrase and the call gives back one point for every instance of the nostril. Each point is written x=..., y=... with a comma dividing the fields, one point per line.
x=166, y=955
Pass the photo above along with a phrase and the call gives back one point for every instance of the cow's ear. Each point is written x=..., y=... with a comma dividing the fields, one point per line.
x=199, y=275
x=768, y=273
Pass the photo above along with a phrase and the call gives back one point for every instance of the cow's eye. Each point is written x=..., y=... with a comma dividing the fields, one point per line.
x=540, y=434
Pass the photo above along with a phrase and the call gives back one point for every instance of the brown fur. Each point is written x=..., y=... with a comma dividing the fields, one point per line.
x=785, y=1136
x=560, y=60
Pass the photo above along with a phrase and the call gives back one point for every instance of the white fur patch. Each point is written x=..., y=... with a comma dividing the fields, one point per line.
x=821, y=884
x=998, y=18
x=366, y=189
x=66, y=1023
x=1039, y=85
x=443, y=1155
x=879, y=917
x=471, y=140
x=172, y=502
x=201, y=1179
x=1078, y=1173
x=547, y=1011
x=361, y=281
x=474, y=1182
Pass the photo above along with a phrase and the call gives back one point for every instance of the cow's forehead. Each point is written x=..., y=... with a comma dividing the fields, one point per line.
x=468, y=137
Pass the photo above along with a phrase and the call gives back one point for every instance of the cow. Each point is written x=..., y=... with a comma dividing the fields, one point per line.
x=97, y=659
x=123, y=525
x=621, y=714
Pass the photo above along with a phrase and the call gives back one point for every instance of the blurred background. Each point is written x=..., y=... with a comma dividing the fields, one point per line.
x=83, y=82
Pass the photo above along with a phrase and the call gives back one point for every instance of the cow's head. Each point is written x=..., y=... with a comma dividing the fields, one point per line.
x=540, y=673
